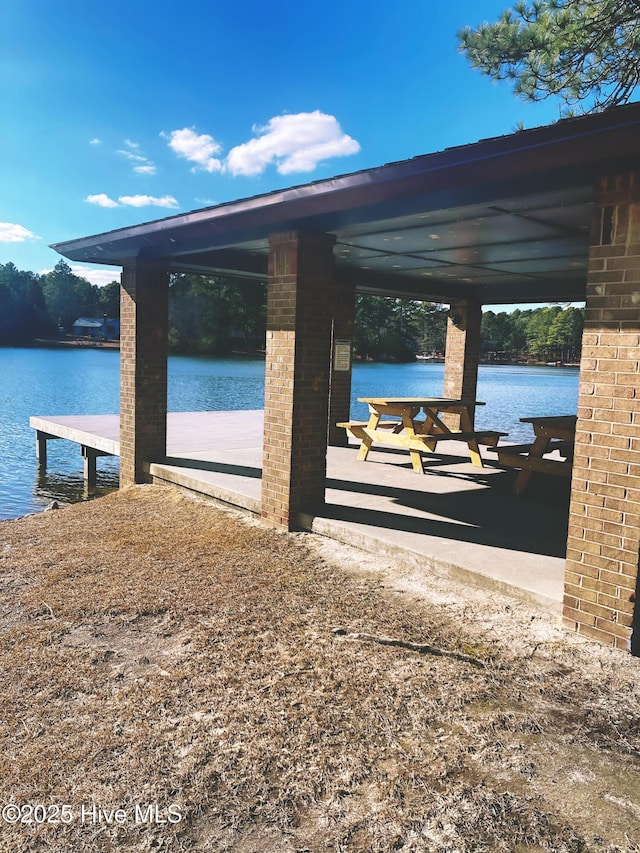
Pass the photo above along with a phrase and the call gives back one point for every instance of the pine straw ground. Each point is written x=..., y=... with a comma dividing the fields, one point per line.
x=158, y=650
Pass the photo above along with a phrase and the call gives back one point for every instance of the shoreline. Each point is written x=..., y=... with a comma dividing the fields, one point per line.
x=57, y=343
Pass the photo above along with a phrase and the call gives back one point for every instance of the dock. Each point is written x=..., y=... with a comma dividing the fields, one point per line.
x=456, y=521
x=97, y=435
x=188, y=433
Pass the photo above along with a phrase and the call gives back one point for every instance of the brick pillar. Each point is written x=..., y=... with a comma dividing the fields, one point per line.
x=604, y=514
x=344, y=309
x=462, y=353
x=144, y=295
x=299, y=316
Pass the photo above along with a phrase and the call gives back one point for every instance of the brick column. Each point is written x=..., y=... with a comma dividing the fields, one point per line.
x=604, y=515
x=299, y=316
x=462, y=353
x=144, y=295
x=344, y=309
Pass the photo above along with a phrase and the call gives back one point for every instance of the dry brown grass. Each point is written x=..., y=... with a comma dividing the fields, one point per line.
x=155, y=649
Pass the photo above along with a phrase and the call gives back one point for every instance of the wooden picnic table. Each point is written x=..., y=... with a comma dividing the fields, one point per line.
x=407, y=431
x=552, y=433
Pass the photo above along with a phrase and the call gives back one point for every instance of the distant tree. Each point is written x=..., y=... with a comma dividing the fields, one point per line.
x=429, y=323
x=565, y=334
x=542, y=333
x=212, y=315
x=538, y=328
x=23, y=314
x=496, y=332
x=518, y=320
x=68, y=296
x=585, y=52
x=109, y=299
x=385, y=328
x=505, y=333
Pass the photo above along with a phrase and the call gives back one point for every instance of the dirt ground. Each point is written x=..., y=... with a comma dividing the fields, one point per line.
x=174, y=676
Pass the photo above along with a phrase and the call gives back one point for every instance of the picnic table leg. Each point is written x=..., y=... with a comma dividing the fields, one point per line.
x=466, y=425
x=410, y=430
x=365, y=447
x=416, y=461
x=474, y=453
x=537, y=449
x=432, y=424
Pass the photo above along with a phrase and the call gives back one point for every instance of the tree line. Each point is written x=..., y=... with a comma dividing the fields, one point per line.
x=206, y=315
x=397, y=329
x=215, y=316
x=36, y=306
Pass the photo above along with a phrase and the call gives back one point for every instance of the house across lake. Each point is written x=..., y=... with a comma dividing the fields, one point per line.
x=99, y=328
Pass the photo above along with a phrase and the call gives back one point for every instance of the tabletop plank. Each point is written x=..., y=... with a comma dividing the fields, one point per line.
x=430, y=402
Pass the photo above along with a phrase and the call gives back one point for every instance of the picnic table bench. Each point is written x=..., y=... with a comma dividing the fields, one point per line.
x=553, y=433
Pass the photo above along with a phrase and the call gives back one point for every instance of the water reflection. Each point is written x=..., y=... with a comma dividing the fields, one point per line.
x=68, y=488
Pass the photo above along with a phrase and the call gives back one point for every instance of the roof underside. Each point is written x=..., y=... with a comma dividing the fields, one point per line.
x=505, y=220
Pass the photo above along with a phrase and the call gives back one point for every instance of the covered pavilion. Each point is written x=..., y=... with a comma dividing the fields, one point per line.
x=549, y=214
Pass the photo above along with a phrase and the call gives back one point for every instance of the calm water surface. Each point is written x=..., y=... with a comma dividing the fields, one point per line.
x=69, y=382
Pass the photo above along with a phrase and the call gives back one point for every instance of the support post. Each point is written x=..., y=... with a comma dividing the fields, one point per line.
x=41, y=450
x=299, y=315
x=89, y=456
x=344, y=307
x=462, y=354
x=143, y=367
x=604, y=515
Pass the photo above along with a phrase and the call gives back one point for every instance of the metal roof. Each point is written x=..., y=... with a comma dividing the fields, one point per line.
x=501, y=220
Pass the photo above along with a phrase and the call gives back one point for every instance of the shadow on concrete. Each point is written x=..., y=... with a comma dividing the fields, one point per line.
x=432, y=460
x=217, y=467
x=519, y=537
x=489, y=514
x=533, y=523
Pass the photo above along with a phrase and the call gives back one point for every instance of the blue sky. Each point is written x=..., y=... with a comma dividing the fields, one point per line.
x=127, y=111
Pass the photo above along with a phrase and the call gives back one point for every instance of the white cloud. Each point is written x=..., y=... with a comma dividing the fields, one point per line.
x=144, y=165
x=92, y=274
x=97, y=276
x=148, y=200
x=95, y=141
x=12, y=233
x=197, y=148
x=295, y=143
x=102, y=200
x=138, y=158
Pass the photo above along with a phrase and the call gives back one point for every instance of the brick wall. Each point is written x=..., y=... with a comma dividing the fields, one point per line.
x=604, y=518
x=299, y=315
x=462, y=354
x=143, y=368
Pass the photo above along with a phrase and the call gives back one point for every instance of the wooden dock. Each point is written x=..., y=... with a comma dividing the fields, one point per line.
x=97, y=435
x=188, y=434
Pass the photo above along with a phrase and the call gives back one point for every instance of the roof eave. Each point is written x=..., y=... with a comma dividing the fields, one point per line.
x=570, y=151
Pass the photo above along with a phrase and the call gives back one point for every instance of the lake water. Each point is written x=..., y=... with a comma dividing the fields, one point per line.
x=68, y=382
